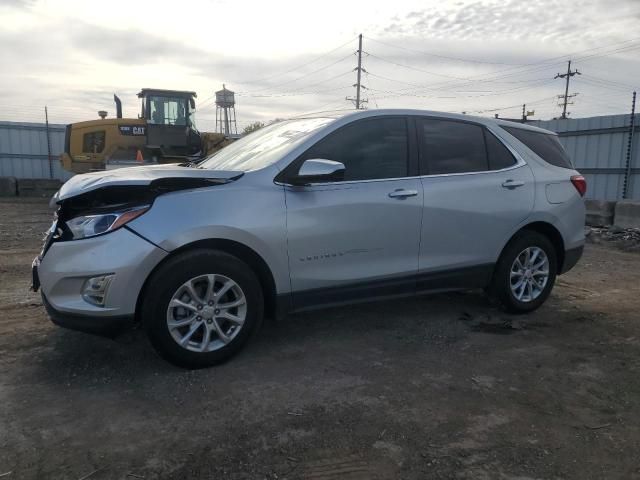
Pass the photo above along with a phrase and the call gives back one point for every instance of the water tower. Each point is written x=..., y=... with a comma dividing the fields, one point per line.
x=226, y=112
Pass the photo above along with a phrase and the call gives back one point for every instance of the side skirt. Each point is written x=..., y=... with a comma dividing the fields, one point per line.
x=431, y=282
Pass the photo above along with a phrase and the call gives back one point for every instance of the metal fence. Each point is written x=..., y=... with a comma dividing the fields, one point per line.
x=599, y=147
x=24, y=151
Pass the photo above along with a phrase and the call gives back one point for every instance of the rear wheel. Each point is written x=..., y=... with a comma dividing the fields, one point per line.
x=201, y=307
x=525, y=273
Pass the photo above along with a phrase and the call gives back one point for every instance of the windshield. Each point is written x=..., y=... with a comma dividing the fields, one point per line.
x=265, y=146
x=167, y=110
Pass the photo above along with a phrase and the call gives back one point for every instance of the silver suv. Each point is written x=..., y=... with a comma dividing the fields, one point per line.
x=312, y=212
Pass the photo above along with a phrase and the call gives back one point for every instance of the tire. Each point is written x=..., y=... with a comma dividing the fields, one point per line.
x=214, y=338
x=531, y=296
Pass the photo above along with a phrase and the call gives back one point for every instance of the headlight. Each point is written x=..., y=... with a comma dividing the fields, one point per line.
x=91, y=225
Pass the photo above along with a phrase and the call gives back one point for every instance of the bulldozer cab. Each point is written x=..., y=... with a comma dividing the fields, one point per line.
x=164, y=132
x=170, y=116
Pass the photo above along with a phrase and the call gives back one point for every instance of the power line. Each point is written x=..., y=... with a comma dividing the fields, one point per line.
x=288, y=82
x=468, y=81
x=447, y=57
x=298, y=67
x=415, y=68
x=538, y=82
x=519, y=70
x=542, y=100
x=425, y=86
x=323, y=111
x=492, y=77
x=628, y=48
x=294, y=93
x=613, y=83
x=595, y=83
x=335, y=77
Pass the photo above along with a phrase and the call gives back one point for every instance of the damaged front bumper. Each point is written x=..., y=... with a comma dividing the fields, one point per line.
x=68, y=267
x=92, y=281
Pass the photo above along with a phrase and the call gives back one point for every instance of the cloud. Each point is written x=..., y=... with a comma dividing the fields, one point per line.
x=516, y=20
x=18, y=4
x=128, y=47
x=137, y=48
x=56, y=56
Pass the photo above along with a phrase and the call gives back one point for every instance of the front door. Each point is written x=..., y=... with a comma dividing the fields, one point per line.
x=358, y=237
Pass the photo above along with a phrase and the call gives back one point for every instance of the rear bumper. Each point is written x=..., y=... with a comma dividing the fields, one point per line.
x=103, y=326
x=571, y=257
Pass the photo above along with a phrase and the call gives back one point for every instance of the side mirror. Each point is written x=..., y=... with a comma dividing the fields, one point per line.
x=318, y=170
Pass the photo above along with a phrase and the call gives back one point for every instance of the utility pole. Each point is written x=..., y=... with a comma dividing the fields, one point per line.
x=566, y=95
x=358, y=101
x=359, y=71
x=524, y=113
x=629, y=160
x=46, y=119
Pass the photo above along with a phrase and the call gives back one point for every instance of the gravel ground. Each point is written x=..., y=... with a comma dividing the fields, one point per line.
x=436, y=387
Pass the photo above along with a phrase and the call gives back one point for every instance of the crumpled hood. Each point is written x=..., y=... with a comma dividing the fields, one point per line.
x=143, y=175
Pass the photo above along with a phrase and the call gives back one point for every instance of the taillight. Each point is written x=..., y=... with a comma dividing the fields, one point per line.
x=580, y=183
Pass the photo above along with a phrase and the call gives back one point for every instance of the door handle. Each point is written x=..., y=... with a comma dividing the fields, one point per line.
x=402, y=193
x=511, y=184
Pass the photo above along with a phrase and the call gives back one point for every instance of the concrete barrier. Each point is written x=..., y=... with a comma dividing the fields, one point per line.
x=8, y=187
x=627, y=214
x=600, y=213
x=38, y=187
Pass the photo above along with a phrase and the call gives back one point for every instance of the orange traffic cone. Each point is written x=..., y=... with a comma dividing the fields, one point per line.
x=139, y=156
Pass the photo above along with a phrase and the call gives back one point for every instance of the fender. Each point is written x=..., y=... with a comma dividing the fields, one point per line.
x=246, y=211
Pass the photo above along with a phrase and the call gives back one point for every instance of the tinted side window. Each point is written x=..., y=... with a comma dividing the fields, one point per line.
x=499, y=156
x=545, y=145
x=453, y=147
x=369, y=149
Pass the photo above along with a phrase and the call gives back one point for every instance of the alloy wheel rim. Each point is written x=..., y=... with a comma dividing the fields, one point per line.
x=529, y=274
x=206, y=313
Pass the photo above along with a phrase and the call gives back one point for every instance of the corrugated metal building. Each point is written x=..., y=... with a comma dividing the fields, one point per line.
x=598, y=147
x=23, y=150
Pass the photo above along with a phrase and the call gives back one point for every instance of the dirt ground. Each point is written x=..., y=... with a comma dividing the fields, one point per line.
x=437, y=387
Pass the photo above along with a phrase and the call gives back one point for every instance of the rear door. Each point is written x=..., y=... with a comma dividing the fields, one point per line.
x=358, y=237
x=475, y=193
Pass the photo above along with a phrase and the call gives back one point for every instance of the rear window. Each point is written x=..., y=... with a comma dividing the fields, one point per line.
x=93, y=142
x=453, y=147
x=545, y=145
x=499, y=156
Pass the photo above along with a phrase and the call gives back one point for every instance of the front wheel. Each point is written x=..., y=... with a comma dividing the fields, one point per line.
x=525, y=273
x=200, y=307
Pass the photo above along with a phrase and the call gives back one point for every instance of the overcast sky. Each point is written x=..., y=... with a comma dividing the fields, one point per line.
x=285, y=58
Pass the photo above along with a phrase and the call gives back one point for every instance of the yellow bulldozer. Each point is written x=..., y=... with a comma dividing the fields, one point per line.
x=164, y=132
